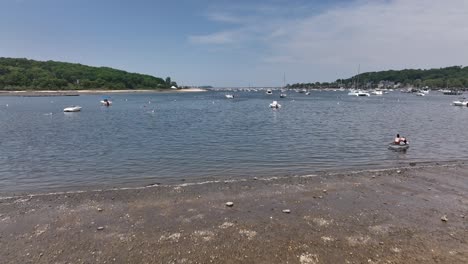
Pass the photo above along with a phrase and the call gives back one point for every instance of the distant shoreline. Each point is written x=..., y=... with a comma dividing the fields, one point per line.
x=80, y=92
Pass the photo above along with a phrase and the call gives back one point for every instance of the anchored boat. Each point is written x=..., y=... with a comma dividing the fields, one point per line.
x=72, y=109
x=275, y=104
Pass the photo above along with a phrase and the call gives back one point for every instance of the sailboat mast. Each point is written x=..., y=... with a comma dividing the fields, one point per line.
x=358, y=72
x=284, y=80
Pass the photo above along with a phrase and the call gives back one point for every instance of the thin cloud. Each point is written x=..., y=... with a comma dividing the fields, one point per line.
x=225, y=37
x=378, y=34
x=226, y=18
x=382, y=34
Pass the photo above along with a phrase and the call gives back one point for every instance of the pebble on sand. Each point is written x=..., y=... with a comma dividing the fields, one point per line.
x=444, y=218
x=99, y=209
x=100, y=228
x=286, y=211
x=229, y=204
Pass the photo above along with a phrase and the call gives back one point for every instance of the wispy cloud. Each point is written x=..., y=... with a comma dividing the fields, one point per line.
x=226, y=18
x=381, y=32
x=224, y=37
x=378, y=34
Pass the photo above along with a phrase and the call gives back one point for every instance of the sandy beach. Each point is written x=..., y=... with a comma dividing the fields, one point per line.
x=411, y=214
x=79, y=92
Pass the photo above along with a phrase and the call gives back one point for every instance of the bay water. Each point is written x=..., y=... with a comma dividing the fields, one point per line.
x=170, y=137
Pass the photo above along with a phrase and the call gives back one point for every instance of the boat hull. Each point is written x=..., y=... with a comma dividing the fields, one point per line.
x=401, y=147
x=104, y=102
x=457, y=103
x=72, y=109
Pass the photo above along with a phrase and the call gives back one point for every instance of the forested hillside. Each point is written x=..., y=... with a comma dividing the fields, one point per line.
x=19, y=74
x=455, y=77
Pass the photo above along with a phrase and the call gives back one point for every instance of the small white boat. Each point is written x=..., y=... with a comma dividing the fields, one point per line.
x=377, y=92
x=275, y=104
x=269, y=91
x=106, y=102
x=353, y=93
x=229, y=96
x=460, y=102
x=420, y=94
x=72, y=109
x=362, y=93
x=398, y=147
x=308, y=93
x=283, y=95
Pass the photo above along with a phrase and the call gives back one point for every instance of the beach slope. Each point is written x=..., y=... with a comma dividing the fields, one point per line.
x=413, y=214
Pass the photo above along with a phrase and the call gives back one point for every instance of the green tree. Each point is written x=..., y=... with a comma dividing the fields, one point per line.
x=31, y=74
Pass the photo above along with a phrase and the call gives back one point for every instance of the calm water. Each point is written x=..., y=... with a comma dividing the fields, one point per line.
x=205, y=135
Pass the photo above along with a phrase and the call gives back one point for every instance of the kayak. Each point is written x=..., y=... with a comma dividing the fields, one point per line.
x=399, y=147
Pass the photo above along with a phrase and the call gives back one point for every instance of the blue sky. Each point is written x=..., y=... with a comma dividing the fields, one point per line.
x=239, y=43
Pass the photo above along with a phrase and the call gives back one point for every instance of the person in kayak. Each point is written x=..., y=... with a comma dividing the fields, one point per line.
x=399, y=140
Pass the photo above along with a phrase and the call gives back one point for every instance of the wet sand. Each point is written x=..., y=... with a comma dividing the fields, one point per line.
x=378, y=216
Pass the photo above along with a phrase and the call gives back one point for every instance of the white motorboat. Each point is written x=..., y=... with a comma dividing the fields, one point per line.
x=269, y=91
x=283, y=95
x=460, y=102
x=420, y=94
x=229, y=96
x=106, y=102
x=362, y=93
x=308, y=93
x=398, y=147
x=353, y=92
x=377, y=92
x=275, y=104
x=72, y=109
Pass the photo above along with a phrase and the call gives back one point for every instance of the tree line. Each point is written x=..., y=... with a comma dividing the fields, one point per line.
x=455, y=77
x=25, y=74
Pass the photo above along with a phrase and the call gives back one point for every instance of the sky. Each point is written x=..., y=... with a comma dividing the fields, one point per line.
x=226, y=43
